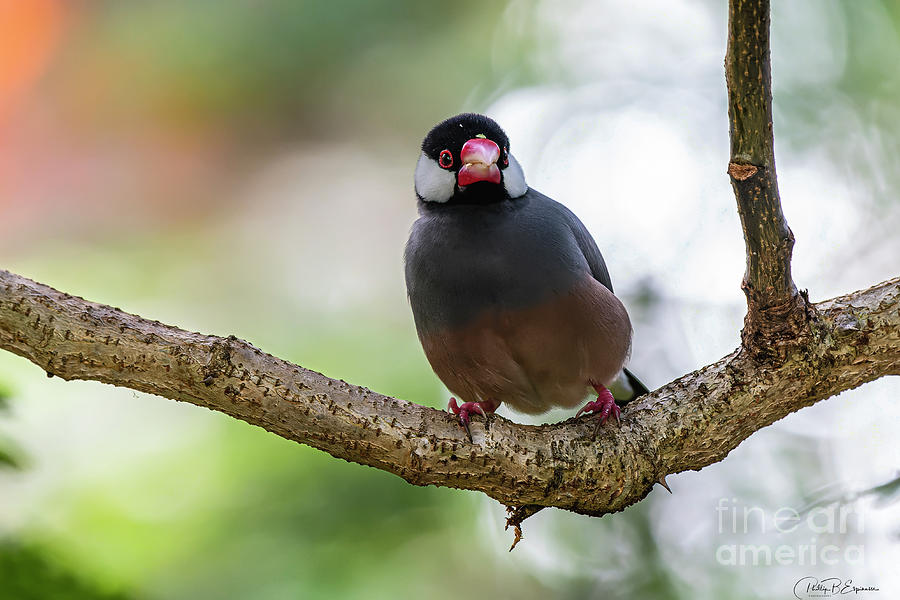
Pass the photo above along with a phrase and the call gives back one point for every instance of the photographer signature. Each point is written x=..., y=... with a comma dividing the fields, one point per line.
x=811, y=587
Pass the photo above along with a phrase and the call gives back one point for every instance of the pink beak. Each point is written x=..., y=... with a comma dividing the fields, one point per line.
x=479, y=157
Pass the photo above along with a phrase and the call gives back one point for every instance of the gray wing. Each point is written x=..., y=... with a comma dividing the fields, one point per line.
x=588, y=248
x=630, y=387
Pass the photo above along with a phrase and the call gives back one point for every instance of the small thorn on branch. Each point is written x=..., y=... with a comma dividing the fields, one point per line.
x=662, y=481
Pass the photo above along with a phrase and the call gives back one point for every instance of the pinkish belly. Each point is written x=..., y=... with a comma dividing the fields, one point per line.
x=535, y=358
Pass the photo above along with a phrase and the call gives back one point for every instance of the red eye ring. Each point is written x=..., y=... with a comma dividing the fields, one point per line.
x=506, y=157
x=445, y=159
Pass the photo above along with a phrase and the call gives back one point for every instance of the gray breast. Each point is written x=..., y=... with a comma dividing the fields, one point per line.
x=463, y=260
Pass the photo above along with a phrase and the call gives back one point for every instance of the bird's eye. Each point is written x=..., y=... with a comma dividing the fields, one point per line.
x=506, y=157
x=445, y=159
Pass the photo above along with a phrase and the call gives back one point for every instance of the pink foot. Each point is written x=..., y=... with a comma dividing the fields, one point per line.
x=604, y=406
x=467, y=408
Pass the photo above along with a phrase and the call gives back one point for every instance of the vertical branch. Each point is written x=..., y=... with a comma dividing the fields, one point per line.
x=776, y=312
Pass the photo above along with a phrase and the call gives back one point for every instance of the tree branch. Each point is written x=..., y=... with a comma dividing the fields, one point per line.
x=776, y=312
x=692, y=422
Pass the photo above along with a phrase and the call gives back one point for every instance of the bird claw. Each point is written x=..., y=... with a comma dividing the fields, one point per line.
x=463, y=411
x=603, y=407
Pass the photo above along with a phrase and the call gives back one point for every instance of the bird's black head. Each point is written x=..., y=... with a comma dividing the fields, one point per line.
x=466, y=160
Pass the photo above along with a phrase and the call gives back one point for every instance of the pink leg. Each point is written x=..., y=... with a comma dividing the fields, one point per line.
x=604, y=406
x=467, y=408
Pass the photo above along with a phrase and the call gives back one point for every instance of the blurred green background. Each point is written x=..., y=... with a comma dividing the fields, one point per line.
x=246, y=168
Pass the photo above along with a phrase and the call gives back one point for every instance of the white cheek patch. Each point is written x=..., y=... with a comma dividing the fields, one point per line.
x=514, y=178
x=433, y=184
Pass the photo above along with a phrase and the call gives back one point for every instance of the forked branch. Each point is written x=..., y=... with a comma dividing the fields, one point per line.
x=689, y=423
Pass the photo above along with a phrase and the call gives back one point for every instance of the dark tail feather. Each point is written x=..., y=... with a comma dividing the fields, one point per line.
x=636, y=385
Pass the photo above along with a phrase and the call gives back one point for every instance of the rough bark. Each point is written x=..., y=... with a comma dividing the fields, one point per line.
x=689, y=423
x=776, y=312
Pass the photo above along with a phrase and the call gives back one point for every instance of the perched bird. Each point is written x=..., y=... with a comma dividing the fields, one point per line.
x=511, y=297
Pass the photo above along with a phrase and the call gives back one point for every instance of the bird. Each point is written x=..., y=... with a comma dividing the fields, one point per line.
x=511, y=298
